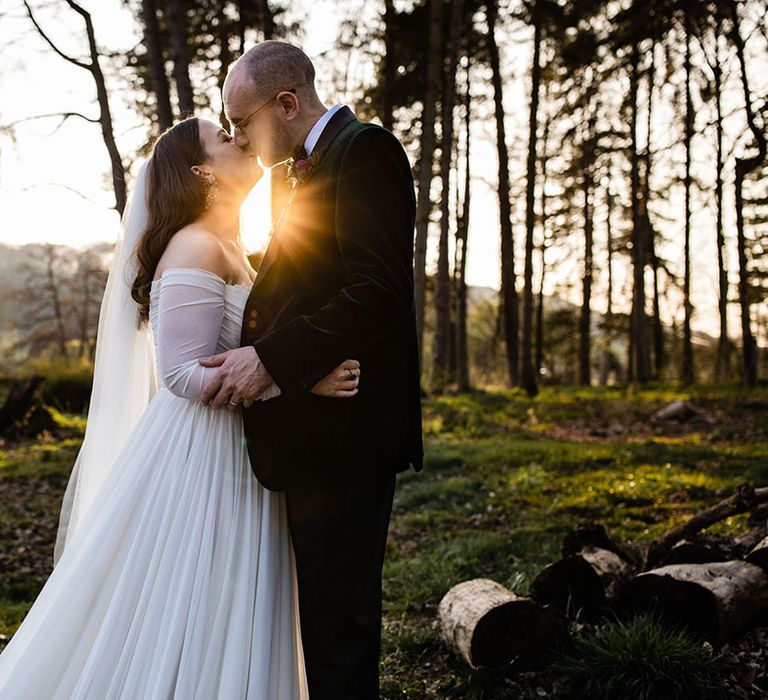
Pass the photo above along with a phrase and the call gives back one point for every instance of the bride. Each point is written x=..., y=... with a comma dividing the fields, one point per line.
x=174, y=575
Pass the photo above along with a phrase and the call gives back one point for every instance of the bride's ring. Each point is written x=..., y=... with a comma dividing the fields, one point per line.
x=232, y=404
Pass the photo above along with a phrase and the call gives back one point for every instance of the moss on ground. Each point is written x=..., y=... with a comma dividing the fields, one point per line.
x=505, y=478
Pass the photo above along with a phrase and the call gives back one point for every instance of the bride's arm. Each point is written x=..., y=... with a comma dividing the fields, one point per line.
x=190, y=314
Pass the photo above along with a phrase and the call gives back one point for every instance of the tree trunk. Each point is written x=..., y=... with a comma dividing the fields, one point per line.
x=686, y=371
x=462, y=239
x=607, y=358
x=156, y=57
x=390, y=65
x=639, y=368
x=585, y=318
x=105, y=115
x=266, y=19
x=508, y=290
x=177, y=26
x=426, y=160
x=659, y=355
x=489, y=625
x=440, y=352
x=539, y=353
x=225, y=58
x=722, y=365
x=527, y=375
x=744, y=166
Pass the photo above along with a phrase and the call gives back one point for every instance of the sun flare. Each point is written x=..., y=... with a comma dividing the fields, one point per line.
x=256, y=215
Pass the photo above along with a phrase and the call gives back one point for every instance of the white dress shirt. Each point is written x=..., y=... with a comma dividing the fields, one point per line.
x=314, y=135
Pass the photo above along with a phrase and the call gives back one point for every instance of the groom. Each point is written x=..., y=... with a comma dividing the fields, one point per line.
x=336, y=283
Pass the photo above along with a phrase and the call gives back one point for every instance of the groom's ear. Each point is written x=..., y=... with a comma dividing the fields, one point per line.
x=289, y=103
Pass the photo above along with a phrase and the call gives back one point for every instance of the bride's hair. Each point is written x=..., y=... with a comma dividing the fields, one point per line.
x=175, y=198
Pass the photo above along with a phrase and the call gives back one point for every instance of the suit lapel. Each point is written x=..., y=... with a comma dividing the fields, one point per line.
x=331, y=131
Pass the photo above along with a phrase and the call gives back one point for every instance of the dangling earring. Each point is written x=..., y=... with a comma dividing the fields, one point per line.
x=211, y=195
x=211, y=192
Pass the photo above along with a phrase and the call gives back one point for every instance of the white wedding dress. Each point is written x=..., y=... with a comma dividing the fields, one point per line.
x=179, y=582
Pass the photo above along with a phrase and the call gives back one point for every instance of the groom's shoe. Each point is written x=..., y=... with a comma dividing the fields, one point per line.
x=339, y=537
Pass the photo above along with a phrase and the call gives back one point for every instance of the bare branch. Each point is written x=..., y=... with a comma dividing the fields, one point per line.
x=73, y=61
x=62, y=115
x=64, y=187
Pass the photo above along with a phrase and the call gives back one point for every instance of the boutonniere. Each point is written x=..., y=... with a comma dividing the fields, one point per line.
x=299, y=169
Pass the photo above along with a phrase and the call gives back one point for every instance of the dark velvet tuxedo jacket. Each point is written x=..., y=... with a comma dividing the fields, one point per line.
x=336, y=282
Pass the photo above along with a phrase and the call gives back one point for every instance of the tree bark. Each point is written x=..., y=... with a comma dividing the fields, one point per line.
x=489, y=625
x=722, y=365
x=607, y=359
x=508, y=290
x=527, y=375
x=639, y=366
x=687, y=371
x=659, y=354
x=390, y=65
x=440, y=348
x=717, y=600
x=582, y=583
x=177, y=26
x=156, y=56
x=744, y=166
x=462, y=240
x=585, y=318
x=426, y=160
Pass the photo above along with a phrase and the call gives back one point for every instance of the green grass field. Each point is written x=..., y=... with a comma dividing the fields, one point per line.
x=505, y=478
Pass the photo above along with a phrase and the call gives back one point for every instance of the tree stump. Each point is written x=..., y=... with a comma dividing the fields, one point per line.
x=716, y=600
x=489, y=625
x=585, y=581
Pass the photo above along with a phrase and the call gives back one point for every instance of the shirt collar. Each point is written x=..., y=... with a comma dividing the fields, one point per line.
x=314, y=135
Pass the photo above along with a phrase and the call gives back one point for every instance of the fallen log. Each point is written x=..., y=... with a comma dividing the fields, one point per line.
x=749, y=539
x=759, y=555
x=583, y=583
x=702, y=549
x=716, y=601
x=743, y=500
x=489, y=625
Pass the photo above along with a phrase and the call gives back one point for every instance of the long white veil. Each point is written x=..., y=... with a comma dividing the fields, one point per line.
x=125, y=376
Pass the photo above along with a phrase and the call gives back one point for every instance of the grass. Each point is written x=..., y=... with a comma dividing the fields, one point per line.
x=639, y=659
x=505, y=478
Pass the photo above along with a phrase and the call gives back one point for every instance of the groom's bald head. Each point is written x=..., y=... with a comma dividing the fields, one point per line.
x=270, y=99
x=272, y=66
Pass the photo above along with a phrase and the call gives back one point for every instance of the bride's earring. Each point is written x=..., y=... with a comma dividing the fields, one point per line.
x=211, y=195
x=211, y=192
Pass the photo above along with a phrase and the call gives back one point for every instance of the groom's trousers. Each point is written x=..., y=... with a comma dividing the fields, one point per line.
x=339, y=537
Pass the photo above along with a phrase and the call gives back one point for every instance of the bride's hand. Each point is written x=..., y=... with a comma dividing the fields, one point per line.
x=341, y=383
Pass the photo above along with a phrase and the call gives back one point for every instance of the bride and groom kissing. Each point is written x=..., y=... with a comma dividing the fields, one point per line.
x=223, y=531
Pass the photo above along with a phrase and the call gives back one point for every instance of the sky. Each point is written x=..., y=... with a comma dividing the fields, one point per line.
x=54, y=183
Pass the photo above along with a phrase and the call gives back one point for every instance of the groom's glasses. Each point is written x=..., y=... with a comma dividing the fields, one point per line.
x=239, y=127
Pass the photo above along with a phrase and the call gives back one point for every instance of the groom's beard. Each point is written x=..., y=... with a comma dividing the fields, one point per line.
x=281, y=143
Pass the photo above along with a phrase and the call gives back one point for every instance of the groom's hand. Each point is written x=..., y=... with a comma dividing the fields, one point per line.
x=241, y=378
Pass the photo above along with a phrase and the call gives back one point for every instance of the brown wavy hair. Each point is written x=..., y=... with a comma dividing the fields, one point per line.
x=175, y=198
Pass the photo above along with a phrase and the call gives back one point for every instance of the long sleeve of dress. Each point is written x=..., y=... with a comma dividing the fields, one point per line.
x=190, y=308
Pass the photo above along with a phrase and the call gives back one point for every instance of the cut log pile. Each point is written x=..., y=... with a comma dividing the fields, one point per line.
x=716, y=587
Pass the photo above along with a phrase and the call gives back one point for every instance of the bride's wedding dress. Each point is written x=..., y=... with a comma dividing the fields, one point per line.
x=179, y=582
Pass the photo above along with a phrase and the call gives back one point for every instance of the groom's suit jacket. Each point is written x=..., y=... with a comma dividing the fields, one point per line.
x=336, y=282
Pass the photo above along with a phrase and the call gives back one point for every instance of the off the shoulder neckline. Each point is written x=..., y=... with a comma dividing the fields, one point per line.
x=204, y=272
